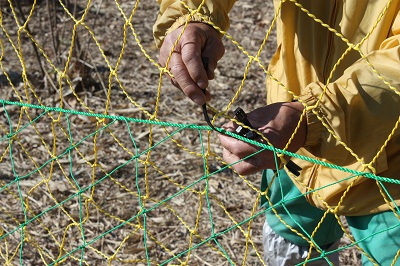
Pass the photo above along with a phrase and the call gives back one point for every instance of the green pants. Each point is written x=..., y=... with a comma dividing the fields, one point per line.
x=378, y=234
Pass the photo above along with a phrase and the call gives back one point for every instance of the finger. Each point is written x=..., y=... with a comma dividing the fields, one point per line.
x=244, y=167
x=230, y=126
x=210, y=67
x=178, y=67
x=212, y=56
x=192, y=58
x=206, y=45
x=165, y=51
x=237, y=147
x=206, y=93
x=184, y=81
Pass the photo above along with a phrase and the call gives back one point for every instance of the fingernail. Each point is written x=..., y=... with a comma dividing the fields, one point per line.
x=229, y=129
x=202, y=84
x=199, y=99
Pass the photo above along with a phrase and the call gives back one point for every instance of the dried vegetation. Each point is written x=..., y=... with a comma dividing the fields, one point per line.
x=73, y=189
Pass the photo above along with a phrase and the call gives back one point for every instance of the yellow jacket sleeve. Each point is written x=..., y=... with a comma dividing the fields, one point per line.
x=344, y=66
x=354, y=122
x=360, y=109
x=175, y=13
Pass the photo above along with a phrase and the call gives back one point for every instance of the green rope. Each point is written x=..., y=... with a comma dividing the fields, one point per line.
x=82, y=249
x=17, y=179
x=71, y=172
x=198, y=127
x=143, y=210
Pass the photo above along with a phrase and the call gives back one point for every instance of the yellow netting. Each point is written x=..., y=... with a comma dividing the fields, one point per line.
x=101, y=162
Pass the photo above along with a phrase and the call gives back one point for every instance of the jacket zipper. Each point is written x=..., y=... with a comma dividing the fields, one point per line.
x=328, y=58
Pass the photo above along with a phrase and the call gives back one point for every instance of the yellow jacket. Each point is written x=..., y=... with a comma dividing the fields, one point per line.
x=341, y=58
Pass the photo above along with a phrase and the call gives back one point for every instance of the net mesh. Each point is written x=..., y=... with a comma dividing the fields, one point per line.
x=100, y=165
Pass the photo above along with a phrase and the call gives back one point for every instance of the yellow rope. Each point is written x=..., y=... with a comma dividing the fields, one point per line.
x=91, y=155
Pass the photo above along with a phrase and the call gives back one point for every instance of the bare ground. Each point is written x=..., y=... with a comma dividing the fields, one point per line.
x=73, y=188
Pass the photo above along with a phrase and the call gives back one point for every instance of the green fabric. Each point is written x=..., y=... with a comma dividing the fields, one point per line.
x=379, y=236
x=296, y=211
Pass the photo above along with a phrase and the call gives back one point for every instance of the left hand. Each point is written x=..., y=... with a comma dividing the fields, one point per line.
x=198, y=42
x=277, y=123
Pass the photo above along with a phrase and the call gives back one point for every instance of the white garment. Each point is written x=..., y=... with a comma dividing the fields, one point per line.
x=280, y=252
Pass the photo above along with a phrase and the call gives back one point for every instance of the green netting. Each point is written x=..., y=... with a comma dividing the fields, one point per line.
x=100, y=165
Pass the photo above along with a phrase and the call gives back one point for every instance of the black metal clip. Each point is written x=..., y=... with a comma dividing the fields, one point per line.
x=293, y=168
x=204, y=107
x=245, y=132
x=241, y=117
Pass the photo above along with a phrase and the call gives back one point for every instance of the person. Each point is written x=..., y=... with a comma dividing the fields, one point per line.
x=335, y=79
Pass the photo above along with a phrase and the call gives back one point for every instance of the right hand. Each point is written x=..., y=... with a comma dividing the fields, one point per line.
x=199, y=42
x=277, y=122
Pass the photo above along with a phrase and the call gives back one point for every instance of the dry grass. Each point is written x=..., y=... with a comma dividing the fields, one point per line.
x=94, y=195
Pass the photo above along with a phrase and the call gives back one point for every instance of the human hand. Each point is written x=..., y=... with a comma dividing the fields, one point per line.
x=198, y=43
x=277, y=123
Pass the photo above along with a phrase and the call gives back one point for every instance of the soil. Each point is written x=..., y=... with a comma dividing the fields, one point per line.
x=79, y=189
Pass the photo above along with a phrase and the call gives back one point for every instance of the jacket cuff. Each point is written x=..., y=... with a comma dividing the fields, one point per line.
x=159, y=38
x=182, y=20
x=314, y=113
x=163, y=26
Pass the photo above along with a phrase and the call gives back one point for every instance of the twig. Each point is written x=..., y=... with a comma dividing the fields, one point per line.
x=52, y=25
x=33, y=44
